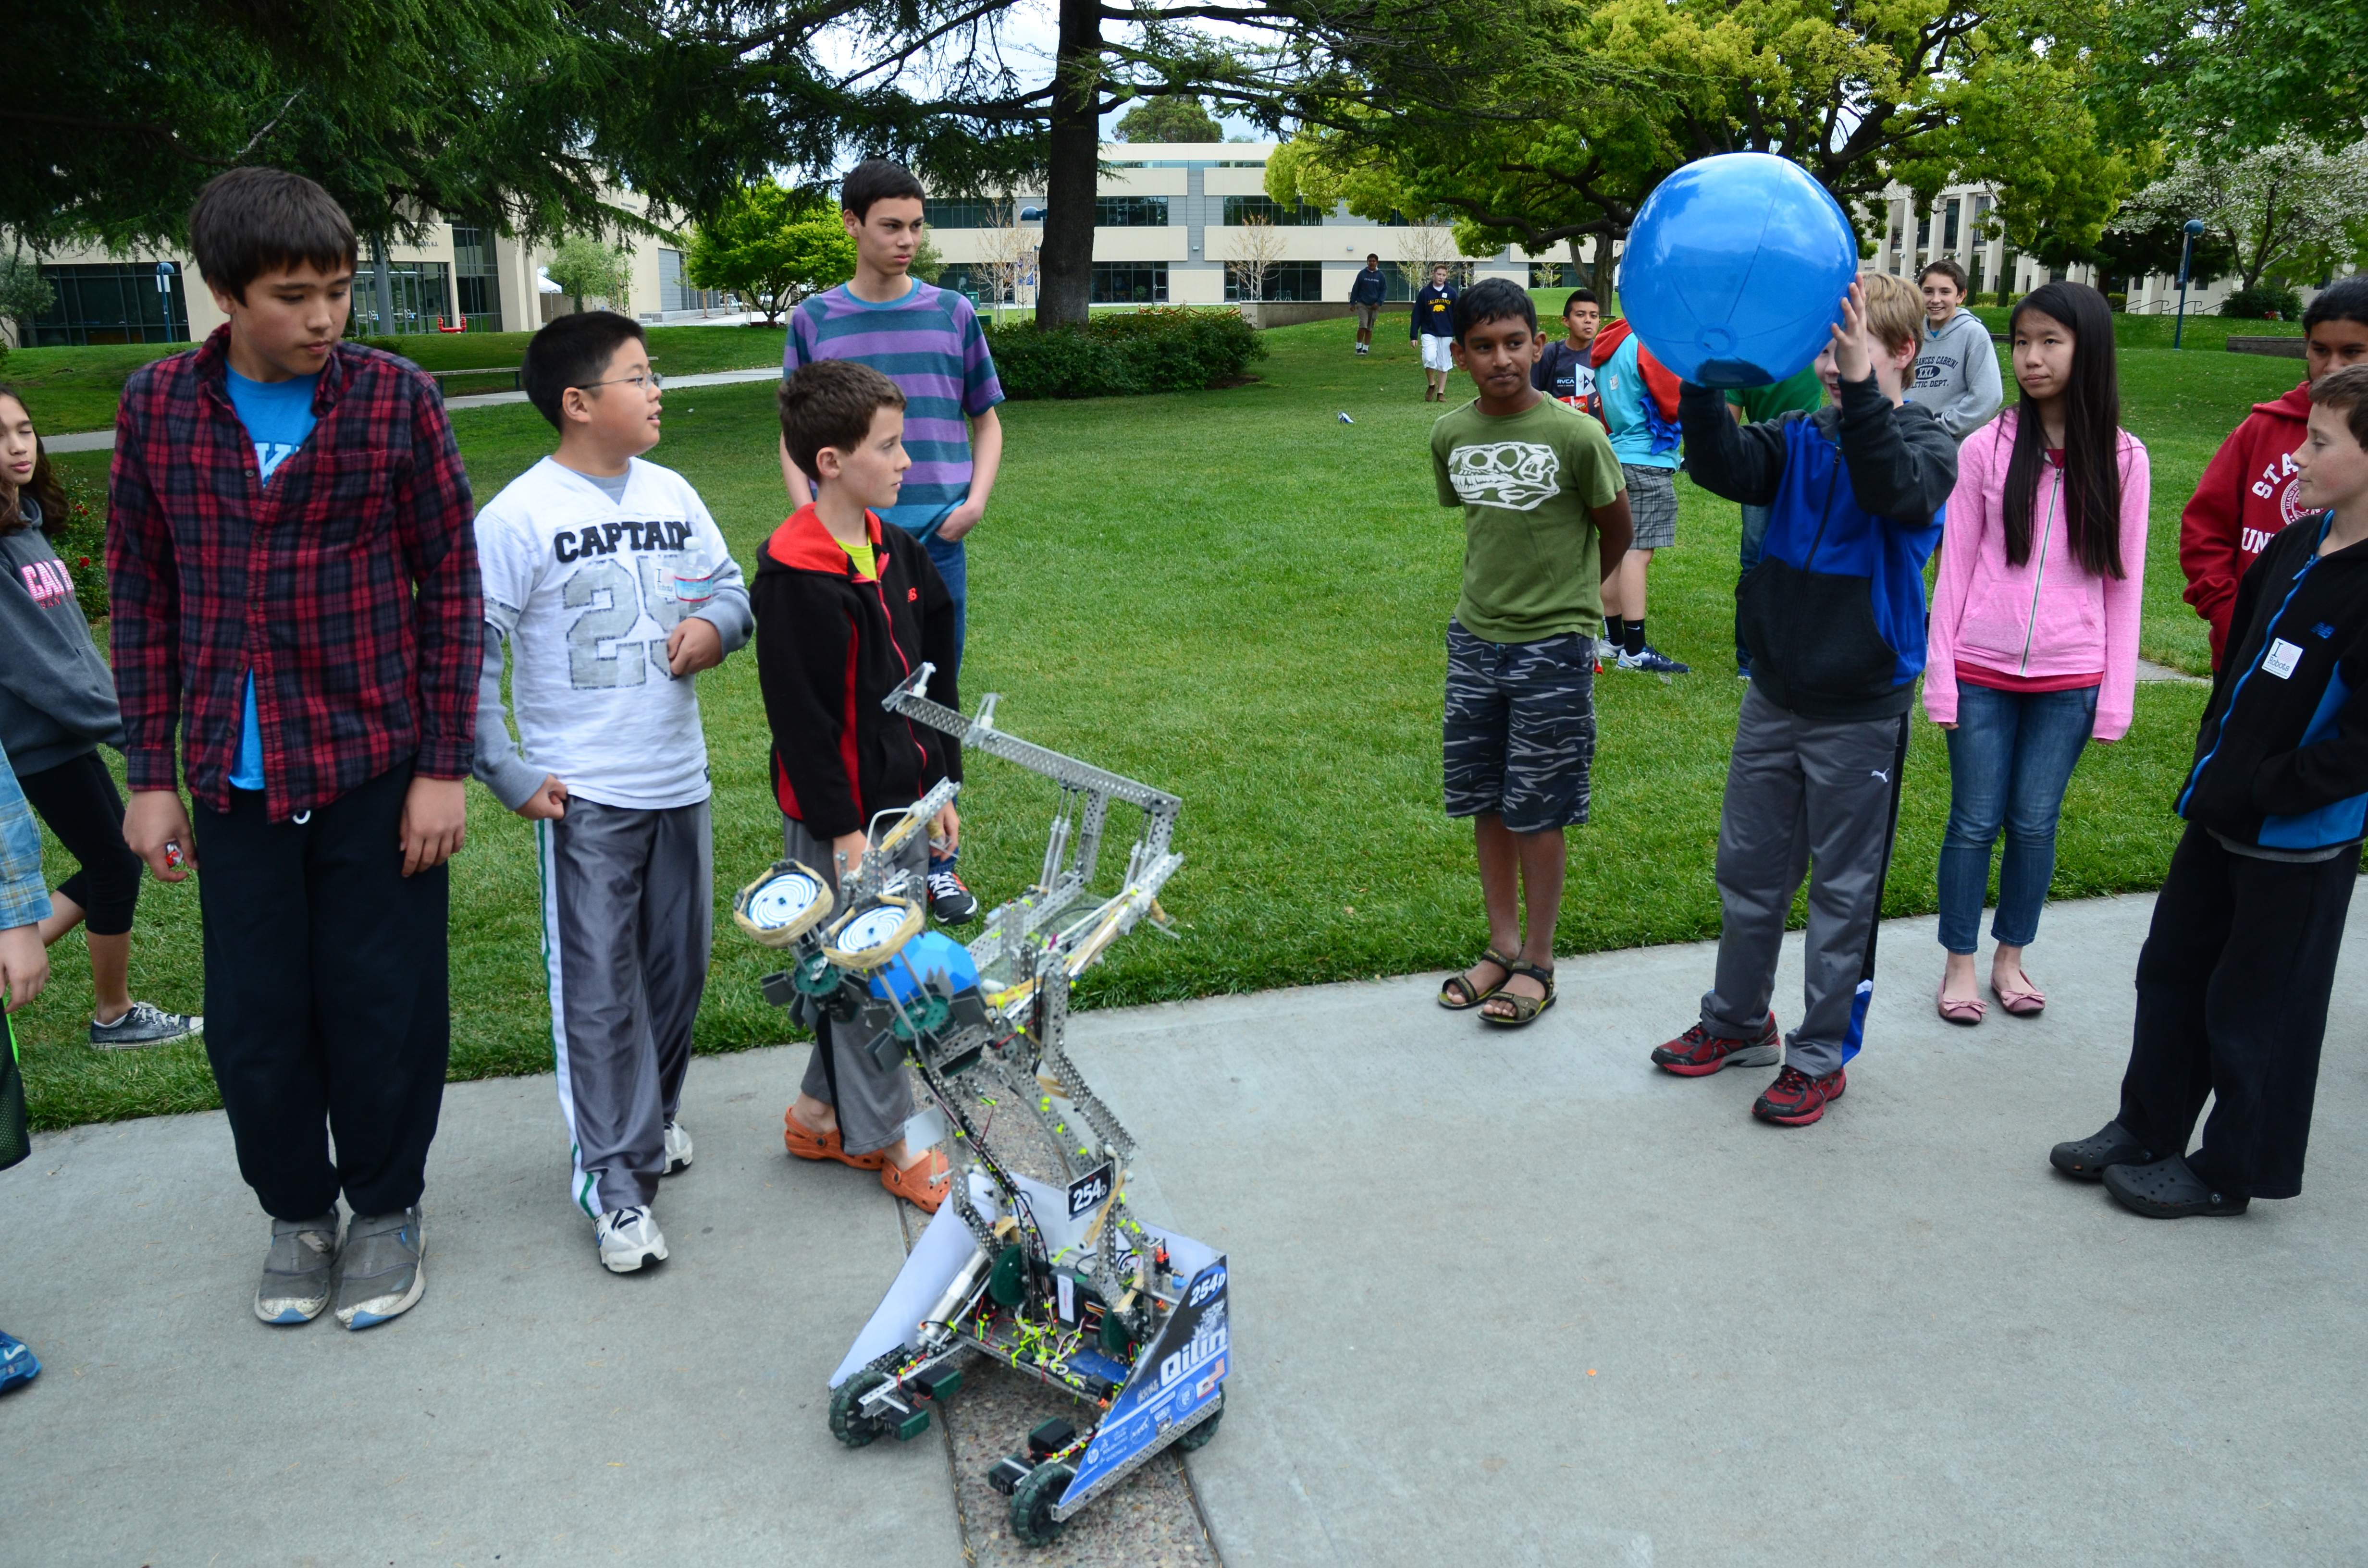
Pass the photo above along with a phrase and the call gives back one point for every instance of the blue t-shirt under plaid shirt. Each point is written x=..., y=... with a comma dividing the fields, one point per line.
x=929, y=343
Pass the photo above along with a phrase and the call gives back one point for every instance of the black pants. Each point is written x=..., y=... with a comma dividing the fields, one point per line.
x=327, y=1011
x=78, y=801
x=2232, y=1002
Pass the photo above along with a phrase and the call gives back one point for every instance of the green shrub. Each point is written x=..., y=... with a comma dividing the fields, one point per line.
x=1124, y=354
x=2263, y=302
x=2118, y=302
x=82, y=544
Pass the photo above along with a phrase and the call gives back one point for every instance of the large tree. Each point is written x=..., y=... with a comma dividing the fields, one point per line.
x=1169, y=119
x=2225, y=77
x=772, y=246
x=1610, y=95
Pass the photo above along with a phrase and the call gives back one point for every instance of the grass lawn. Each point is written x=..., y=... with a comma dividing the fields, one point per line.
x=1237, y=597
x=75, y=389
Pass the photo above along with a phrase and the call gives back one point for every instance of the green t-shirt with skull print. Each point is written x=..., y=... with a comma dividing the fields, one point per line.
x=1531, y=560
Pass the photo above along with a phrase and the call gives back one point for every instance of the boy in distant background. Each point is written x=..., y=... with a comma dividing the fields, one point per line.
x=607, y=576
x=2250, y=490
x=1366, y=293
x=1564, y=371
x=1835, y=616
x=1956, y=365
x=1636, y=398
x=1432, y=326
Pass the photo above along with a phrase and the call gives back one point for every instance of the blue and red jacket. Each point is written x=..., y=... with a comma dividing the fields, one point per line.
x=830, y=645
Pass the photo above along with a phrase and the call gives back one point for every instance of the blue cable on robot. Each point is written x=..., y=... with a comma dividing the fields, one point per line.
x=1060, y=1283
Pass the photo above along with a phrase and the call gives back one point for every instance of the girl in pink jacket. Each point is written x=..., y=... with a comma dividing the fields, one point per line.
x=2034, y=647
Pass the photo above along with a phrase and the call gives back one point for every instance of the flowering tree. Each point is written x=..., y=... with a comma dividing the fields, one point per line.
x=2286, y=211
x=1253, y=251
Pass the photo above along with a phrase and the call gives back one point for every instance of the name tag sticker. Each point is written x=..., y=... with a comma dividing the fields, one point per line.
x=2282, y=658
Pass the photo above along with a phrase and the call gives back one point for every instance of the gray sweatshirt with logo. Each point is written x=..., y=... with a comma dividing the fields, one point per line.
x=1957, y=375
x=57, y=695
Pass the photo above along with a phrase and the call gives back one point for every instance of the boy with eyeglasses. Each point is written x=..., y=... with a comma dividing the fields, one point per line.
x=613, y=587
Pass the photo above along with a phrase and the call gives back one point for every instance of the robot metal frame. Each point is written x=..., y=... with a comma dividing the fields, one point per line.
x=1063, y=1283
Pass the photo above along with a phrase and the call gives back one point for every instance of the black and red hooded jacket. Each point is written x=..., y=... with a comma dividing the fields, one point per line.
x=830, y=645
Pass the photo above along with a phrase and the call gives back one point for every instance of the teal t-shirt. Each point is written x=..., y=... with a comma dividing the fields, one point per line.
x=1801, y=392
x=277, y=416
x=1620, y=382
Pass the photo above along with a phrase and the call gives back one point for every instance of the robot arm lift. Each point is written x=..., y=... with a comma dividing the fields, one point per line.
x=1061, y=1283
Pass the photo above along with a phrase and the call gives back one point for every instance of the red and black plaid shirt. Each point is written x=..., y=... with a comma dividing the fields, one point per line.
x=349, y=584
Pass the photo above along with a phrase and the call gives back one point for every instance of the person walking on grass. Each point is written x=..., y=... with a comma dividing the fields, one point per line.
x=57, y=708
x=1956, y=365
x=1564, y=371
x=2034, y=647
x=2239, y=959
x=2252, y=489
x=927, y=341
x=1545, y=520
x=1366, y=293
x=1835, y=613
x=614, y=776
x=24, y=972
x=1432, y=326
x=295, y=596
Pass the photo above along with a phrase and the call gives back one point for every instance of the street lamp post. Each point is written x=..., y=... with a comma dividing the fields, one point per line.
x=2191, y=228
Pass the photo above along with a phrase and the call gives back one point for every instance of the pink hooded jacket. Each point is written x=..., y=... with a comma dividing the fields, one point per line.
x=2048, y=616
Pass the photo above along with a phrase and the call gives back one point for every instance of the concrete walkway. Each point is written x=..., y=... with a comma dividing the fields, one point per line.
x=1499, y=1297
x=103, y=440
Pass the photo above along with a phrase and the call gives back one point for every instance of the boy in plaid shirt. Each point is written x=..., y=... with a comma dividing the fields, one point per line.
x=289, y=552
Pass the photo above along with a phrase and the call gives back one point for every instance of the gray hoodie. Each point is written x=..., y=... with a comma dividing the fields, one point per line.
x=1957, y=375
x=57, y=695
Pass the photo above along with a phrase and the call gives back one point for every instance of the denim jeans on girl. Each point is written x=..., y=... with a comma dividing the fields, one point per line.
x=2009, y=758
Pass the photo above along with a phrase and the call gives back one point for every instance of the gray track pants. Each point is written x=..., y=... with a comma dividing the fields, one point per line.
x=1803, y=795
x=627, y=924
x=872, y=1105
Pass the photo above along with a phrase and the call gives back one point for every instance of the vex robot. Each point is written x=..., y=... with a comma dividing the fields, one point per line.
x=1056, y=1278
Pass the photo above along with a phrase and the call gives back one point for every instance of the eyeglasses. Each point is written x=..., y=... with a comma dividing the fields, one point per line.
x=652, y=381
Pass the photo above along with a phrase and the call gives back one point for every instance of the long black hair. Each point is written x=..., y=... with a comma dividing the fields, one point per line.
x=48, y=493
x=2092, y=436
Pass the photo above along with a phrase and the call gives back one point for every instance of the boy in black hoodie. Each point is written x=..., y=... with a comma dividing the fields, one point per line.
x=1834, y=615
x=2234, y=977
x=846, y=610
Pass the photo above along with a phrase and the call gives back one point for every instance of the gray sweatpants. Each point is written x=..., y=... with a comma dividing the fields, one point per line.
x=1815, y=796
x=872, y=1105
x=627, y=924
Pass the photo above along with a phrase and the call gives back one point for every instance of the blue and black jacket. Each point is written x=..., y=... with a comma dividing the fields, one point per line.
x=1834, y=612
x=2282, y=758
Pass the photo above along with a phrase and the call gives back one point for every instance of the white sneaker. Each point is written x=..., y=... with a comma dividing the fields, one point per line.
x=678, y=1149
x=629, y=1238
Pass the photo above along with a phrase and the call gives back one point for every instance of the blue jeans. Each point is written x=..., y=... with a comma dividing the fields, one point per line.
x=1755, y=535
x=2009, y=758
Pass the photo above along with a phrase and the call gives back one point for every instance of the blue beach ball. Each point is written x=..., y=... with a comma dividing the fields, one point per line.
x=1735, y=269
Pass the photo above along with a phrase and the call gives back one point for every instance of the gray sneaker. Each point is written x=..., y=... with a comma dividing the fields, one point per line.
x=145, y=1024
x=296, y=1272
x=382, y=1277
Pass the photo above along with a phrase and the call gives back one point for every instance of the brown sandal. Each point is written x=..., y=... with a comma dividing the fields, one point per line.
x=1471, y=1000
x=1525, y=1008
x=807, y=1144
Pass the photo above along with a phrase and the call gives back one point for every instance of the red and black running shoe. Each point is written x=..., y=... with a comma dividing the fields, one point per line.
x=1796, y=1099
x=1697, y=1054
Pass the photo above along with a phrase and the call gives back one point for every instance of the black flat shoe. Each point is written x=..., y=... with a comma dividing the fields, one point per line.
x=2168, y=1190
x=2086, y=1159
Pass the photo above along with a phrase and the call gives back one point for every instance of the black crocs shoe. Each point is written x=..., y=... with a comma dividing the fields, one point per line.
x=2168, y=1190
x=2086, y=1159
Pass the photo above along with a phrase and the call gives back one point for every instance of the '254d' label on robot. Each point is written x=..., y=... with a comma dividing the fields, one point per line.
x=1182, y=1370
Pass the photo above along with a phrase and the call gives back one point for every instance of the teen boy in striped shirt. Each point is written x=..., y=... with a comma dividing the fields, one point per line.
x=927, y=341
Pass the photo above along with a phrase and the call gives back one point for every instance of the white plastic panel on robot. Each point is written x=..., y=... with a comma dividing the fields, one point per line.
x=946, y=1244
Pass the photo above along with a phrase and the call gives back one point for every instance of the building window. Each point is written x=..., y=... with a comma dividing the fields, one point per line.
x=1131, y=212
x=1130, y=283
x=1923, y=231
x=1292, y=281
x=1949, y=227
x=476, y=280
x=1554, y=275
x=422, y=297
x=963, y=213
x=975, y=283
x=111, y=302
x=1239, y=207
